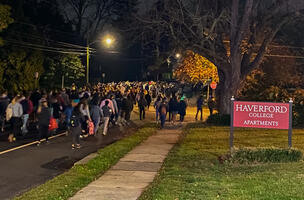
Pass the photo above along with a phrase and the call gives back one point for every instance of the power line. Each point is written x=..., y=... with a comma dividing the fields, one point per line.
x=49, y=50
x=46, y=47
x=50, y=40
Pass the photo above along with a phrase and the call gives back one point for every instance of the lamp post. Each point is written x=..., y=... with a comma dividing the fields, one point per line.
x=107, y=41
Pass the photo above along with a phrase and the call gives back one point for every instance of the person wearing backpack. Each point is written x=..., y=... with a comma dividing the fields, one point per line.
x=75, y=125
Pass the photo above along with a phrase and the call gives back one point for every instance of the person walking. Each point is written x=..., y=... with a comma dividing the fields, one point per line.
x=27, y=109
x=4, y=101
x=211, y=105
x=75, y=126
x=156, y=106
x=173, y=108
x=44, y=116
x=163, y=109
x=106, y=112
x=182, y=105
x=14, y=113
x=85, y=111
x=142, y=103
x=95, y=113
x=148, y=99
x=199, y=106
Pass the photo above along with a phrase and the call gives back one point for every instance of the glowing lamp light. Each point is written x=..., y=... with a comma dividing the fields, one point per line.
x=109, y=41
x=178, y=55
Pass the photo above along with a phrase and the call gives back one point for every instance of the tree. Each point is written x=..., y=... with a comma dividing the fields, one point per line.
x=5, y=18
x=196, y=69
x=18, y=67
x=90, y=17
x=68, y=66
x=233, y=34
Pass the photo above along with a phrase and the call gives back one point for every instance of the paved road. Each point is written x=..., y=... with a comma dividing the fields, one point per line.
x=31, y=166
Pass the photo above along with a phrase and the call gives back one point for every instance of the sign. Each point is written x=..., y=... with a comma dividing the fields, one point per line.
x=213, y=85
x=261, y=115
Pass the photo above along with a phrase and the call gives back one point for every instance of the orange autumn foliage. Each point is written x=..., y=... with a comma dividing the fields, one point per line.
x=196, y=69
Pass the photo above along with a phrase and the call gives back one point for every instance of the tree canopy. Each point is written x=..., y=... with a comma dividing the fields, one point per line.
x=195, y=68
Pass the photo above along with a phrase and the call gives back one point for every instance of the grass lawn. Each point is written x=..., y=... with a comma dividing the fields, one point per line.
x=66, y=185
x=192, y=170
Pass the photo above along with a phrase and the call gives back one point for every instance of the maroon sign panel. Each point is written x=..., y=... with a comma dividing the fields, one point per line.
x=261, y=115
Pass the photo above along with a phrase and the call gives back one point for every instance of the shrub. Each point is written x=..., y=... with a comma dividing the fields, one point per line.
x=265, y=155
x=219, y=120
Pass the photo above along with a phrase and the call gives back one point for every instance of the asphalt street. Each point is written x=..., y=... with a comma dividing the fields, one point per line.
x=26, y=168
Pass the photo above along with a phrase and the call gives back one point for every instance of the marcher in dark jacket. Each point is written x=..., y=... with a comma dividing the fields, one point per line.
x=199, y=105
x=142, y=103
x=148, y=99
x=163, y=109
x=44, y=116
x=126, y=107
x=182, y=109
x=75, y=124
x=173, y=108
x=211, y=105
x=4, y=101
x=95, y=113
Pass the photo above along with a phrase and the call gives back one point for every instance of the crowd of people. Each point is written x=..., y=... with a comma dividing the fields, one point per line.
x=83, y=110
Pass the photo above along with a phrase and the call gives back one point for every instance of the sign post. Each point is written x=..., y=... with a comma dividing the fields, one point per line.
x=290, y=124
x=231, y=124
x=261, y=115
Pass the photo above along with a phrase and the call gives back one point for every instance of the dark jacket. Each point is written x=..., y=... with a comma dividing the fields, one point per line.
x=148, y=99
x=4, y=101
x=182, y=108
x=199, y=103
x=25, y=106
x=56, y=110
x=107, y=112
x=142, y=103
x=44, y=116
x=173, y=105
x=127, y=104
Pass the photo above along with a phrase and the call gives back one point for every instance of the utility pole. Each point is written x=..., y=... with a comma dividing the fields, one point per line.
x=88, y=63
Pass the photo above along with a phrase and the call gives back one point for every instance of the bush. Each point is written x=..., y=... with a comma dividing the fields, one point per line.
x=219, y=120
x=265, y=155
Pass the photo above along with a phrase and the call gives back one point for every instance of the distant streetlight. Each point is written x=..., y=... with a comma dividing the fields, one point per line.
x=178, y=55
x=106, y=41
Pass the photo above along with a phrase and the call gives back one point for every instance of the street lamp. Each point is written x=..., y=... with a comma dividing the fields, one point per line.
x=178, y=55
x=106, y=41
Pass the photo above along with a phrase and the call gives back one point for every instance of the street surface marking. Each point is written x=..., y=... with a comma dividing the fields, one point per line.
x=29, y=144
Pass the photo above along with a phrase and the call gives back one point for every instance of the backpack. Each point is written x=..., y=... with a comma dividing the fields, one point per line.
x=9, y=113
x=163, y=110
x=74, y=121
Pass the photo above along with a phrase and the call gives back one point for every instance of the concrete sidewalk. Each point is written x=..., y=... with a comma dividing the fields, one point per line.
x=133, y=173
